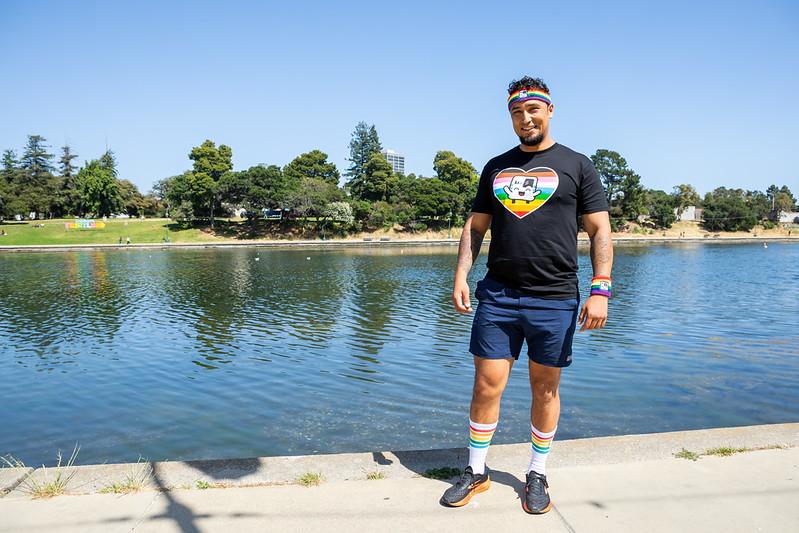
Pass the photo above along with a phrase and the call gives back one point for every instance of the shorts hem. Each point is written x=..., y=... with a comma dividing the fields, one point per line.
x=482, y=356
x=549, y=363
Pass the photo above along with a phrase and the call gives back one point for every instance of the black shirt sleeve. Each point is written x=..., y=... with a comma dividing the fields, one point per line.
x=592, y=193
x=482, y=202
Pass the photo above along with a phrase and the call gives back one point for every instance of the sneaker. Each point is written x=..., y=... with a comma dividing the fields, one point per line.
x=536, y=498
x=467, y=486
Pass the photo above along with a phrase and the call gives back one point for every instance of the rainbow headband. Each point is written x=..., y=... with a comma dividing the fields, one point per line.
x=523, y=95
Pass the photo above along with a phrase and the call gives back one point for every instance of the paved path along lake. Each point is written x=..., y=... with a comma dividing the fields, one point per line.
x=188, y=354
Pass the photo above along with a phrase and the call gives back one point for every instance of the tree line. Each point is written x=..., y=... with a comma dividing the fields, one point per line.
x=309, y=190
x=723, y=209
x=35, y=183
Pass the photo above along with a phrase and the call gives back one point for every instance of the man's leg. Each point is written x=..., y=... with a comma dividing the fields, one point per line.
x=490, y=379
x=544, y=412
x=544, y=415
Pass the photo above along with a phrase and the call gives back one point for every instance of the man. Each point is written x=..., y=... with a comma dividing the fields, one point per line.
x=530, y=197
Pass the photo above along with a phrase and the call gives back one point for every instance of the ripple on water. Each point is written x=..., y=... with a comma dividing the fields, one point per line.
x=184, y=354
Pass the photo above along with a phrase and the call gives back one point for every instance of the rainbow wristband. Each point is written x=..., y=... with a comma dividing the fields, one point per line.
x=600, y=286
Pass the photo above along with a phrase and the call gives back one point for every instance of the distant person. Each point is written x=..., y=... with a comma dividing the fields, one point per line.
x=530, y=197
x=127, y=241
x=120, y=239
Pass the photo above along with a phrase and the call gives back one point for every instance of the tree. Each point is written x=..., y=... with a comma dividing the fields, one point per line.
x=313, y=164
x=726, y=210
x=69, y=192
x=759, y=204
x=684, y=195
x=312, y=196
x=108, y=161
x=210, y=164
x=9, y=161
x=781, y=199
x=36, y=188
x=626, y=195
x=661, y=208
x=339, y=212
x=36, y=159
x=376, y=182
x=65, y=165
x=134, y=203
x=99, y=189
x=460, y=176
x=269, y=187
x=363, y=145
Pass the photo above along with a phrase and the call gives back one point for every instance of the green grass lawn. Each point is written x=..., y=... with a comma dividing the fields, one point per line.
x=139, y=231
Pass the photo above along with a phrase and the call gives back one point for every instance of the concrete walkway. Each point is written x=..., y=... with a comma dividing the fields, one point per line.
x=631, y=483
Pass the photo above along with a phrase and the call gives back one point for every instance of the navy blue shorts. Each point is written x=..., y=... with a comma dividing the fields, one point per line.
x=505, y=318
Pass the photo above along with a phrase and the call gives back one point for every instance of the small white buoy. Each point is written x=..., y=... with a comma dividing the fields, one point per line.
x=257, y=258
x=765, y=245
x=307, y=258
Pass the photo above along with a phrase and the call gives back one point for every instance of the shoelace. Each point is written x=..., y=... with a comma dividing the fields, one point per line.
x=534, y=478
x=466, y=479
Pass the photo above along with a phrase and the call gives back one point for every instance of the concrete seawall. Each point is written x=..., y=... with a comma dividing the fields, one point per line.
x=616, y=484
x=89, y=479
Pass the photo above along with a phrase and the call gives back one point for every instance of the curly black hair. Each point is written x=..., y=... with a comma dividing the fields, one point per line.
x=527, y=83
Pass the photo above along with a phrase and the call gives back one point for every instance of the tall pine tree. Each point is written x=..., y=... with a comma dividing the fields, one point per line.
x=69, y=200
x=108, y=161
x=65, y=165
x=36, y=159
x=364, y=144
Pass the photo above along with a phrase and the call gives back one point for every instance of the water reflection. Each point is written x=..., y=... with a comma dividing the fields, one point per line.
x=199, y=353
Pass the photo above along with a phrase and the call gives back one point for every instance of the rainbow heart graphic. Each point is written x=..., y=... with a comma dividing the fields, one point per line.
x=524, y=191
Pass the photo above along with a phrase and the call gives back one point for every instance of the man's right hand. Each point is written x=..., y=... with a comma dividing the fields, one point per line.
x=460, y=297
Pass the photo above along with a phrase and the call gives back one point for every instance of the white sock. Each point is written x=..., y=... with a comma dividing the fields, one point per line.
x=479, y=439
x=541, y=441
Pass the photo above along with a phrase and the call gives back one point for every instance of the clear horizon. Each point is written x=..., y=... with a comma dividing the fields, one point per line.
x=683, y=92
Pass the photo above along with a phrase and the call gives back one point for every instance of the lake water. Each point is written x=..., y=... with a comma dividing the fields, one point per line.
x=216, y=353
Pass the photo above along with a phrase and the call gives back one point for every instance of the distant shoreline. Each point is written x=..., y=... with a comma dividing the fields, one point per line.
x=352, y=243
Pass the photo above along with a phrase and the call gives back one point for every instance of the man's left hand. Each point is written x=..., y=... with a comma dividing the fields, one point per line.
x=594, y=313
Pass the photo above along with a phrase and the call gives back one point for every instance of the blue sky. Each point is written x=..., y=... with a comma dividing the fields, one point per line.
x=687, y=92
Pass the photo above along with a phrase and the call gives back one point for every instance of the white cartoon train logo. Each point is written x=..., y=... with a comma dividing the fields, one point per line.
x=522, y=188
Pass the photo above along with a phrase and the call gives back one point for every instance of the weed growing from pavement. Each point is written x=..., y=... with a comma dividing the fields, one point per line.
x=310, y=479
x=135, y=480
x=375, y=475
x=47, y=488
x=202, y=485
x=724, y=451
x=686, y=454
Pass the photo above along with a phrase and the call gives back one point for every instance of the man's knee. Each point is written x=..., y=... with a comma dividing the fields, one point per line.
x=488, y=388
x=545, y=390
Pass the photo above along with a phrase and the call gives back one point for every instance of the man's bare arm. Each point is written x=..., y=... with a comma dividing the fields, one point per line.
x=598, y=227
x=471, y=240
x=594, y=313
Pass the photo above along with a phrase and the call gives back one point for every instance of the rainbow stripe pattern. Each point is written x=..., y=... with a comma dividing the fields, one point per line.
x=601, y=285
x=541, y=444
x=524, y=191
x=522, y=95
x=480, y=438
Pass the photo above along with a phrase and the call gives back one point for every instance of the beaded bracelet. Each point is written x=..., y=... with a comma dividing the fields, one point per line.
x=600, y=285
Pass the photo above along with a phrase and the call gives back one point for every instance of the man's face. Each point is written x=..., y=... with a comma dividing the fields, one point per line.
x=531, y=121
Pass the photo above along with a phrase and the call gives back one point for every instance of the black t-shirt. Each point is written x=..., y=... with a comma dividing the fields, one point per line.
x=534, y=199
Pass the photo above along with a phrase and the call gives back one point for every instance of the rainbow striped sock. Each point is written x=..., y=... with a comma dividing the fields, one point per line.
x=541, y=441
x=479, y=438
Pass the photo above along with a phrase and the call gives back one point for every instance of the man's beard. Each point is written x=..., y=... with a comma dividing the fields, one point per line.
x=532, y=140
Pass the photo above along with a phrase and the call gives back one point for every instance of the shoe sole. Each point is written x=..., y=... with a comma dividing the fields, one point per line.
x=482, y=487
x=542, y=511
